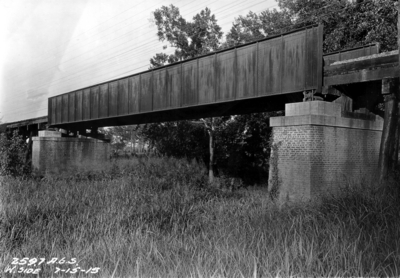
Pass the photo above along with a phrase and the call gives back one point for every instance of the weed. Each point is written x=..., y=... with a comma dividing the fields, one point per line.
x=156, y=217
x=13, y=155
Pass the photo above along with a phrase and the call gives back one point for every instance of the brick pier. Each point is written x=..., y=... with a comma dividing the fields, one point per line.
x=319, y=148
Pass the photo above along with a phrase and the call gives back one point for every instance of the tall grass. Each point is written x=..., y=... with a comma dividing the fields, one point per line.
x=157, y=218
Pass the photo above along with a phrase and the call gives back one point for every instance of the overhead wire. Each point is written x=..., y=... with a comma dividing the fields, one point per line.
x=109, y=27
x=266, y=8
x=130, y=70
x=148, y=42
x=331, y=12
x=297, y=23
x=321, y=8
x=124, y=52
x=111, y=40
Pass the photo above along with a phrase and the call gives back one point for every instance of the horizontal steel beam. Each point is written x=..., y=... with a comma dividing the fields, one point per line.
x=362, y=76
x=39, y=120
x=363, y=69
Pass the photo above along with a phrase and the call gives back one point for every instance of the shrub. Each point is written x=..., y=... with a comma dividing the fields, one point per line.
x=13, y=155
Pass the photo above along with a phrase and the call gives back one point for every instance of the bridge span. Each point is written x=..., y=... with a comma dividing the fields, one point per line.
x=318, y=145
x=244, y=79
x=255, y=77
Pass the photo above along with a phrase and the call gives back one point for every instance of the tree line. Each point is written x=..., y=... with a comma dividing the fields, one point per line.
x=239, y=145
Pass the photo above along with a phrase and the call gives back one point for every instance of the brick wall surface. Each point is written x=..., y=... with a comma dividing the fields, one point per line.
x=313, y=160
x=59, y=155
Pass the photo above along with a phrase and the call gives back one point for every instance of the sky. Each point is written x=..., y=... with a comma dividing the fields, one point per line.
x=51, y=47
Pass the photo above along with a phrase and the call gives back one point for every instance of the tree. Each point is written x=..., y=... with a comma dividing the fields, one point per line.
x=245, y=148
x=181, y=139
x=122, y=136
x=346, y=23
x=213, y=126
x=254, y=27
x=190, y=39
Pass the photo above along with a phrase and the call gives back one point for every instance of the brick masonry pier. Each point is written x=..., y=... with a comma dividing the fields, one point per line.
x=318, y=148
x=58, y=155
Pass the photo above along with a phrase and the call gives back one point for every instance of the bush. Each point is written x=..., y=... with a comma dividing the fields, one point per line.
x=13, y=151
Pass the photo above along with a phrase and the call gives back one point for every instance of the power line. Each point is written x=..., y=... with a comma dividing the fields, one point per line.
x=79, y=35
x=297, y=23
x=235, y=5
x=131, y=31
x=226, y=16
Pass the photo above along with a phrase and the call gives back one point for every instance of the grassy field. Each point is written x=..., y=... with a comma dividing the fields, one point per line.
x=157, y=218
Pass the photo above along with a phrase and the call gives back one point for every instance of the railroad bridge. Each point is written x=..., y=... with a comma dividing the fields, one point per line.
x=330, y=133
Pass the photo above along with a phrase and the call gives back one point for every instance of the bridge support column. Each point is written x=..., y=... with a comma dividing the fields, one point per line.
x=318, y=148
x=58, y=155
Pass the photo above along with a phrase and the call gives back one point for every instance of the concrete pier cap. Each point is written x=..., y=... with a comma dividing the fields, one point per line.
x=317, y=148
